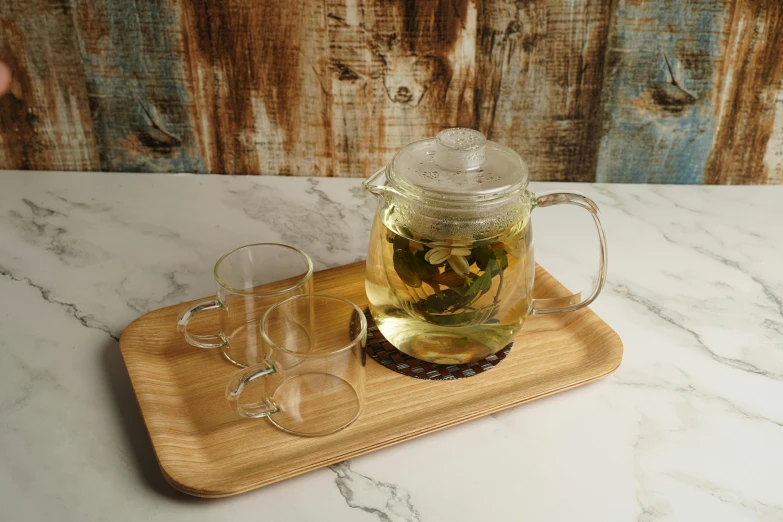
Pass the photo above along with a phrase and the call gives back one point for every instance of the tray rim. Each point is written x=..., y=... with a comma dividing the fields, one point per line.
x=181, y=485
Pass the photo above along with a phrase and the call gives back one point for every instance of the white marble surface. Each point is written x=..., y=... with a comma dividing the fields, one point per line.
x=689, y=428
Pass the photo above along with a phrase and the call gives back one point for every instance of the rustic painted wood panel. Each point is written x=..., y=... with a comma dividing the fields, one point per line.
x=257, y=73
x=607, y=90
x=748, y=85
x=690, y=92
x=398, y=71
x=540, y=74
x=134, y=75
x=334, y=88
x=773, y=156
x=659, y=91
x=45, y=119
x=336, y=91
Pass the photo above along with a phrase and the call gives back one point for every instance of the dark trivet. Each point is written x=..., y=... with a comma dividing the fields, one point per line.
x=386, y=354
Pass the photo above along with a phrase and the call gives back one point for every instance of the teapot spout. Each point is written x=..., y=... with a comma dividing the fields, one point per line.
x=376, y=184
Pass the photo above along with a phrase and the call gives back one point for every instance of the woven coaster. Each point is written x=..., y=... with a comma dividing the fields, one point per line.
x=384, y=353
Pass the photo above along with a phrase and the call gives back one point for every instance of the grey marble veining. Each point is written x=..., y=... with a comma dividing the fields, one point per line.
x=689, y=428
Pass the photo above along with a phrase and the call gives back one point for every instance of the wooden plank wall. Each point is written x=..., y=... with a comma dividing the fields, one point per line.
x=690, y=93
x=605, y=90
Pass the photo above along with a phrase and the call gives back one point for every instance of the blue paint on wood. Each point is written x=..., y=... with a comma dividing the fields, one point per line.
x=136, y=86
x=659, y=89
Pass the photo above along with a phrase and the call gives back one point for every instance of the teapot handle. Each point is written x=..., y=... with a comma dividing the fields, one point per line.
x=571, y=303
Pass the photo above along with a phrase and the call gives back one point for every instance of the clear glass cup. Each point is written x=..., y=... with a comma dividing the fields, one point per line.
x=250, y=279
x=311, y=382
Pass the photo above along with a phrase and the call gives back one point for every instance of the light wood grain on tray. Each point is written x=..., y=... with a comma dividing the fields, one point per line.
x=204, y=449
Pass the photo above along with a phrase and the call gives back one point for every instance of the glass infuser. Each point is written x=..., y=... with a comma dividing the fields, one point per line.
x=450, y=267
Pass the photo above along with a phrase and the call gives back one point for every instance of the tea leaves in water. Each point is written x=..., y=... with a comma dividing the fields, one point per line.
x=438, y=266
x=449, y=303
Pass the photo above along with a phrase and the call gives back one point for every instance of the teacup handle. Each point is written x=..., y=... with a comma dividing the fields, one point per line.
x=571, y=303
x=200, y=341
x=239, y=382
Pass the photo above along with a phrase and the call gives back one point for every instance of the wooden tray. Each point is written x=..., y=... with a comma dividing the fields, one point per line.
x=204, y=449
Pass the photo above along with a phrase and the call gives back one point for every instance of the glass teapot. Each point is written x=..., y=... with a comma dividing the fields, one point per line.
x=450, y=267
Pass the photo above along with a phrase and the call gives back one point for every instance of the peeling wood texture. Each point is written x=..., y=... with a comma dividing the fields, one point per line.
x=606, y=90
x=749, y=80
x=134, y=75
x=691, y=91
x=658, y=96
x=45, y=119
x=540, y=74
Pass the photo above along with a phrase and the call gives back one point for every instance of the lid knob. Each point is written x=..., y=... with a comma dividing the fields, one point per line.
x=459, y=149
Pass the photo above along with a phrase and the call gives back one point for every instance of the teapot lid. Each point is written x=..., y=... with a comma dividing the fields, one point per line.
x=458, y=164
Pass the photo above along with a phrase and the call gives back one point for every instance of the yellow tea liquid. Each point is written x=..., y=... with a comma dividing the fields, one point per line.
x=449, y=302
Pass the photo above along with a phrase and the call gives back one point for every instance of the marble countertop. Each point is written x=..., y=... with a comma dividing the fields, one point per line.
x=690, y=427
